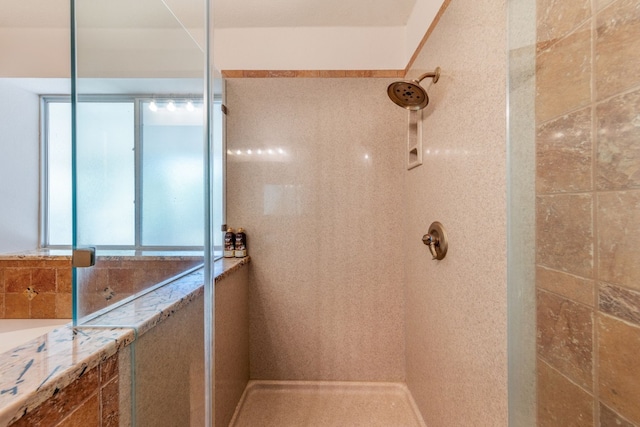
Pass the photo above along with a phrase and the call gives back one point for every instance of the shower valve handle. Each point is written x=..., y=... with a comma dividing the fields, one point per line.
x=436, y=240
x=432, y=242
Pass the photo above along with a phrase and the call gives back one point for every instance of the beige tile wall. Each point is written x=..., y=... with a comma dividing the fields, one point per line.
x=322, y=214
x=588, y=199
x=231, y=344
x=456, y=309
x=169, y=370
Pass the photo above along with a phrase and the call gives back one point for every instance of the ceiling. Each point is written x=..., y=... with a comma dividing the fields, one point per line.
x=227, y=13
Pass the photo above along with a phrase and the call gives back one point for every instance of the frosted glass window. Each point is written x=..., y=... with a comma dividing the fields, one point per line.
x=154, y=199
x=106, y=173
x=59, y=173
x=172, y=175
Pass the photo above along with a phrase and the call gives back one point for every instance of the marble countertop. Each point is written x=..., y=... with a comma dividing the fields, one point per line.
x=36, y=370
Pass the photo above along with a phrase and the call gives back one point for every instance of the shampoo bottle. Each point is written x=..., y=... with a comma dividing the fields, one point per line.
x=229, y=243
x=241, y=244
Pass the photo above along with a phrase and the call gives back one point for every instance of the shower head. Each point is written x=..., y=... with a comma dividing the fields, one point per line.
x=409, y=94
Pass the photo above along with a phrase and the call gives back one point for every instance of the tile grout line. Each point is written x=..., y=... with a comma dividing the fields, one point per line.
x=596, y=203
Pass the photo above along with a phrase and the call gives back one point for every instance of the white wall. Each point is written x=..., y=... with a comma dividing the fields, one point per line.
x=135, y=52
x=324, y=48
x=44, y=52
x=311, y=48
x=35, y=52
x=19, y=168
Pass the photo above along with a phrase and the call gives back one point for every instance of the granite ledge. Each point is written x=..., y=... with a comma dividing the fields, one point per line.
x=35, y=371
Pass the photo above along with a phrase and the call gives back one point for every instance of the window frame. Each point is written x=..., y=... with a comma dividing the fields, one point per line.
x=137, y=100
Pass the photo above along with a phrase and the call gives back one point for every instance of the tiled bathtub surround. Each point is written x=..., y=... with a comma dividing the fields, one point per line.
x=35, y=287
x=38, y=285
x=588, y=199
x=64, y=377
x=91, y=400
x=47, y=366
x=115, y=278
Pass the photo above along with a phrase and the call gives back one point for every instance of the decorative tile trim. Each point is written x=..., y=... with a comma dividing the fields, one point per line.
x=229, y=74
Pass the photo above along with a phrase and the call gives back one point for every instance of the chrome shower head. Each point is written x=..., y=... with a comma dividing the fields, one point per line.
x=409, y=94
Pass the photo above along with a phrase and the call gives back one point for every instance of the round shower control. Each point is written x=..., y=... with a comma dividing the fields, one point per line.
x=436, y=240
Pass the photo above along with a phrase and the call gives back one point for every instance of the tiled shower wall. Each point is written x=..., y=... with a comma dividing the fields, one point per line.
x=456, y=308
x=588, y=212
x=314, y=175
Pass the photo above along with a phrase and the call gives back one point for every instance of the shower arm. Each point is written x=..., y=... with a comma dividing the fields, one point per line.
x=435, y=75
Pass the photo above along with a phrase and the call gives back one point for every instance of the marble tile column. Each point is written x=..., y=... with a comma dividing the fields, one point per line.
x=588, y=199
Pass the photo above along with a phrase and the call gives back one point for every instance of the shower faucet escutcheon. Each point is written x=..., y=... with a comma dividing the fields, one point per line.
x=436, y=240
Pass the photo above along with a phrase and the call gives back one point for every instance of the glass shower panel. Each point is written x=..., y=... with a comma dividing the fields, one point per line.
x=521, y=157
x=141, y=195
x=139, y=147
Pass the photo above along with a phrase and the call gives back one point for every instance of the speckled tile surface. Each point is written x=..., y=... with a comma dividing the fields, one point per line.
x=456, y=308
x=322, y=218
x=36, y=370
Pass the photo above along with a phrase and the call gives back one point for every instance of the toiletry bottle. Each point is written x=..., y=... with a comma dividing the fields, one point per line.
x=229, y=243
x=241, y=243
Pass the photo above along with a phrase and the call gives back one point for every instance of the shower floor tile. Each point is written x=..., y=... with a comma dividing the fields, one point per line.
x=326, y=404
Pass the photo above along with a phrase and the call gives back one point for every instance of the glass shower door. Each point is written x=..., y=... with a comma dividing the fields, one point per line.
x=140, y=150
x=139, y=147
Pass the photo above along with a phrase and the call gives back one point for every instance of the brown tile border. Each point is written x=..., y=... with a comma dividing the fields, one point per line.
x=230, y=74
